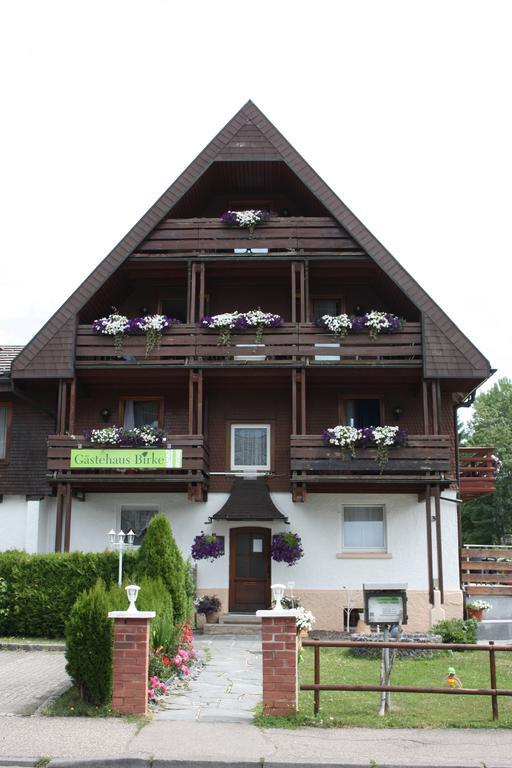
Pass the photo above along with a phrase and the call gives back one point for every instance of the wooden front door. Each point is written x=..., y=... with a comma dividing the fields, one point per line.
x=249, y=569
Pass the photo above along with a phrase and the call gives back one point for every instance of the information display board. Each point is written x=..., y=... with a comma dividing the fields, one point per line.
x=126, y=458
x=385, y=603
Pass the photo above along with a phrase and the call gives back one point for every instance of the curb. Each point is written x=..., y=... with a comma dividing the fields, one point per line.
x=32, y=646
x=144, y=762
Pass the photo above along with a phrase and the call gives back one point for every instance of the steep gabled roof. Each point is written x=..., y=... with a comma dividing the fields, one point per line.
x=7, y=354
x=249, y=135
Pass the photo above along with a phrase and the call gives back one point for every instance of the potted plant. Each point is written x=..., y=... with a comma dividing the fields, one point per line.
x=286, y=548
x=207, y=546
x=209, y=605
x=246, y=219
x=304, y=621
x=475, y=609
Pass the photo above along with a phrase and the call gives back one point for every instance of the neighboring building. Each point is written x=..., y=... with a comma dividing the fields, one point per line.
x=248, y=410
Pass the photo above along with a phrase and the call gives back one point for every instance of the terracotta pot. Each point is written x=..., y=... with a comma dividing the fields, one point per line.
x=303, y=633
x=474, y=614
x=213, y=617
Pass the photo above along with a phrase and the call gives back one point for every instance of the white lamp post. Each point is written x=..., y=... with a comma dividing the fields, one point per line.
x=117, y=541
x=278, y=592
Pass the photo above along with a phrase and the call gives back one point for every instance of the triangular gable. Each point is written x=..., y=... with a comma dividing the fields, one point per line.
x=249, y=135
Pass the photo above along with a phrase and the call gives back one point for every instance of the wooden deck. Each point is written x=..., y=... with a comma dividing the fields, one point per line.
x=477, y=469
x=293, y=344
x=486, y=570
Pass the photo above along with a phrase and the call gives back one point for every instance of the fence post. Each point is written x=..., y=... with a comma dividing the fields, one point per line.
x=317, y=679
x=492, y=664
x=279, y=647
x=131, y=658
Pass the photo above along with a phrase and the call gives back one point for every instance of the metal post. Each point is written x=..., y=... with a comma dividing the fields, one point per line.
x=317, y=678
x=120, y=574
x=492, y=664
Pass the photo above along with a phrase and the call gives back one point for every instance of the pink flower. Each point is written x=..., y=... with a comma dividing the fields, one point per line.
x=154, y=680
x=183, y=654
x=163, y=687
x=151, y=693
x=185, y=670
x=177, y=660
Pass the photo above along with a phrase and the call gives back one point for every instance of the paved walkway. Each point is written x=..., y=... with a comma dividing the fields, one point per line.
x=228, y=688
x=29, y=678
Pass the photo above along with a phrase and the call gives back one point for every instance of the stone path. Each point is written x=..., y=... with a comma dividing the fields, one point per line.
x=29, y=678
x=228, y=688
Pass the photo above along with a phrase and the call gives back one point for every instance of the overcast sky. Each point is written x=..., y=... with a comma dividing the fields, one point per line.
x=404, y=108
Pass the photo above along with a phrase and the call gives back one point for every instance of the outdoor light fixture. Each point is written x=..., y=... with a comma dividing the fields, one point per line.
x=278, y=592
x=132, y=592
x=105, y=414
x=117, y=541
x=397, y=412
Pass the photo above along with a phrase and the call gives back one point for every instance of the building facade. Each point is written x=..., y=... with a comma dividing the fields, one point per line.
x=246, y=418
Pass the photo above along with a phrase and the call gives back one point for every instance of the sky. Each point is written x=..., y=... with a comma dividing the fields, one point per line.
x=404, y=108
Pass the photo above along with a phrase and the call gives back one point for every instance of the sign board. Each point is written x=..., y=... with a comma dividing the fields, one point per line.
x=126, y=458
x=385, y=603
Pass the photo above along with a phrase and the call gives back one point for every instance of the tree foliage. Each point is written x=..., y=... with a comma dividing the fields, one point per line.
x=159, y=557
x=488, y=519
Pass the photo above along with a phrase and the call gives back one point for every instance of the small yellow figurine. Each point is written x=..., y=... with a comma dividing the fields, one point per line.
x=452, y=679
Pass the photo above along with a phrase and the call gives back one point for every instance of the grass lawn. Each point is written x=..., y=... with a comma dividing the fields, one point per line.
x=409, y=710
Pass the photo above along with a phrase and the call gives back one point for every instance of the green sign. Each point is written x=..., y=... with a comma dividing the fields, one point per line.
x=126, y=458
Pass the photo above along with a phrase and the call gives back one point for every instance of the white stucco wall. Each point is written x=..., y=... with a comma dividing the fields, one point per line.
x=318, y=521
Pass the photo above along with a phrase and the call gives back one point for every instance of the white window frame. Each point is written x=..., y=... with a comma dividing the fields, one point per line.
x=245, y=467
x=384, y=548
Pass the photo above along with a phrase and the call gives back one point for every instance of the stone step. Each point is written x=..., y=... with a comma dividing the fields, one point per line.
x=495, y=629
x=239, y=618
x=231, y=629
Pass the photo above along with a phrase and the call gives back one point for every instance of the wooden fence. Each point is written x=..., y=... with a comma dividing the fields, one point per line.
x=486, y=570
x=493, y=691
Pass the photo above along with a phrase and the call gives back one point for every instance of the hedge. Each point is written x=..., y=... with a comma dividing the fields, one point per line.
x=89, y=645
x=40, y=590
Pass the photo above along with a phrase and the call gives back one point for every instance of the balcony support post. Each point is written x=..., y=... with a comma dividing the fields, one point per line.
x=67, y=522
x=72, y=406
x=439, y=541
x=435, y=407
x=61, y=492
x=61, y=425
x=202, y=281
x=189, y=292
x=428, y=523
x=426, y=421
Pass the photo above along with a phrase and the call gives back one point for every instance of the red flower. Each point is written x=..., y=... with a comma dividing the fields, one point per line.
x=166, y=660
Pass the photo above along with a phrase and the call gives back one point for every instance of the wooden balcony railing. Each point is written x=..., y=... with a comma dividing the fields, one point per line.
x=292, y=344
x=194, y=465
x=314, y=461
x=477, y=471
x=279, y=234
x=486, y=570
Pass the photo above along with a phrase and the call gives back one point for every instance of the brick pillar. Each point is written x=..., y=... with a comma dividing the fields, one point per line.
x=131, y=655
x=279, y=646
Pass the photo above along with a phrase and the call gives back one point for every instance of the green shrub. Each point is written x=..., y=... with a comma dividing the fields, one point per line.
x=153, y=596
x=159, y=557
x=40, y=590
x=89, y=640
x=190, y=586
x=457, y=630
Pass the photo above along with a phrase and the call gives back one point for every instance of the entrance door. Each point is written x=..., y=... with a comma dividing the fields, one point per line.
x=249, y=569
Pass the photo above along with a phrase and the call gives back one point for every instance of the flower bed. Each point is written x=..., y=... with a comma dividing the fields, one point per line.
x=119, y=326
x=170, y=661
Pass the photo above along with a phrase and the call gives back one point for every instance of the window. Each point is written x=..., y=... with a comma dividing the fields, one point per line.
x=140, y=412
x=136, y=520
x=360, y=412
x=326, y=305
x=364, y=529
x=250, y=447
x=5, y=429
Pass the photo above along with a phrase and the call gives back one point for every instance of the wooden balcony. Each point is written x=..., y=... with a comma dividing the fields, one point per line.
x=315, y=235
x=486, y=570
x=293, y=345
x=193, y=473
x=313, y=462
x=477, y=471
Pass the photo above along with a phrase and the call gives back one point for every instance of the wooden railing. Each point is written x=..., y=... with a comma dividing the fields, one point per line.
x=486, y=570
x=282, y=235
x=314, y=461
x=291, y=344
x=477, y=470
x=194, y=467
